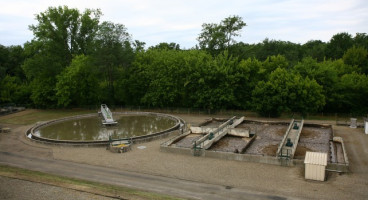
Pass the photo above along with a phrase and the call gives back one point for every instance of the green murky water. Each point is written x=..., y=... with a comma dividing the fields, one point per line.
x=91, y=128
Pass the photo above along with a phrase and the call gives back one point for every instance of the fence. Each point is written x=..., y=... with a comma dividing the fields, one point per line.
x=339, y=118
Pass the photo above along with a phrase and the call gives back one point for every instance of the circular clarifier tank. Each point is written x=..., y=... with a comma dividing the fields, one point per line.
x=89, y=129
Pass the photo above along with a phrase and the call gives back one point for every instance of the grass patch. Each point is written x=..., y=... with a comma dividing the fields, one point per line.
x=80, y=185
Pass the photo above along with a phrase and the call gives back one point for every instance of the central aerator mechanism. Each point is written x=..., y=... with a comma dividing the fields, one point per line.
x=107, y=115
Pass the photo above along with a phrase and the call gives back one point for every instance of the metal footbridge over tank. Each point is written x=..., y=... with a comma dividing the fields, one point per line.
x=290, y=141
x=206, y=141
x=107, y=115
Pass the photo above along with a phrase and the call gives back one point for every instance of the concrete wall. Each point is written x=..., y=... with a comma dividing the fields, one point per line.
x=233, y=156
x=139, y=139
x=339, y=139
x=284, y=138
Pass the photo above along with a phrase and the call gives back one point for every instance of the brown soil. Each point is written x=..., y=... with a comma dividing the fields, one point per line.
x=281, y=131
x=270, y=150
x=307, y=133
x=230, y=144
x=301, y=151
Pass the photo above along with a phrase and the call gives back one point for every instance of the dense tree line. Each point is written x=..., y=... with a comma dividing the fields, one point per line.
x=76, y=60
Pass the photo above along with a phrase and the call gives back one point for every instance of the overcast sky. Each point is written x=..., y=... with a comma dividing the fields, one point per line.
x=180, y=21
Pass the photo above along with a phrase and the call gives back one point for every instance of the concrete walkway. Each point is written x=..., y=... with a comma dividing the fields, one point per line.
x=292, y=135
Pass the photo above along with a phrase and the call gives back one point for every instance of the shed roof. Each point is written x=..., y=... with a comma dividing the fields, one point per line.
x=316, y=158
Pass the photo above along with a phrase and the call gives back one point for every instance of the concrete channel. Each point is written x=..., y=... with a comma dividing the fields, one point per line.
x=262, y=142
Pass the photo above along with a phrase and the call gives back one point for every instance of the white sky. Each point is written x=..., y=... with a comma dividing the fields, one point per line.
x=180, y=21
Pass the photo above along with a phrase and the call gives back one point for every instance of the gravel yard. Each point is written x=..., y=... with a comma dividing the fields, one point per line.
x=268, y=137
x=316, y=139
x=278, y=180
x=230, y=144
x=187, y=141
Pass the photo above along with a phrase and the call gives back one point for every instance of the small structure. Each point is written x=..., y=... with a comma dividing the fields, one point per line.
x=120, y=146
x=353, y=122
x=366, y=125
x=4, y=130
x=315, y=166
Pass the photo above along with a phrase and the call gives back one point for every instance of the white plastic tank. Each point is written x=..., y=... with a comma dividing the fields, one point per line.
x=353, y=122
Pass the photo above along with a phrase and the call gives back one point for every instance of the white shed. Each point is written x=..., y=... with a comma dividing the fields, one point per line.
x=315, y=166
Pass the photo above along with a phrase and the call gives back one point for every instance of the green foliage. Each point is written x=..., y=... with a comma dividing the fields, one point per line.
x=78, y=83
x=315, y=49
x=112, y=51
x=248, y=73
x=66, y=30
x=272, y=63
x=361, y=40
x=8, y=86
x=215, y=85
x=289, y=50
x=338, y=44
x=166, y=46
x=61, y=33
x=74, y=60
x=43, y=92
x=357, y=56
x=287, y=92
x=352, y=92
x=215, y=38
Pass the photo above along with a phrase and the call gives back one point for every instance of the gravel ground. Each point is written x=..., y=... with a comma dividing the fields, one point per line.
x=230, y=144
x=314, y=139
x=31, y=190
x=278, y=180
x=315, y=135
x=187, y=141
x=267, y=135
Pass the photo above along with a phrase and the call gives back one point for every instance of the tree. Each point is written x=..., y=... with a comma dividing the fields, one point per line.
x=315, y=49
x=352, y=92
x=66, y=30
x=14, y=90
x=218, y=37
x=167, y=46
x=247, y=74
x=214, y=87
x=8, y=87
x=138, y=46
x=4, y=57
x=326, y=75
x=361, y=40
x=338, y=44
x=112, y=51
x=272, y=63
x=287, y=92
x=61, y=33
x=78, y=84
x=289, y=50
x=357, y=56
